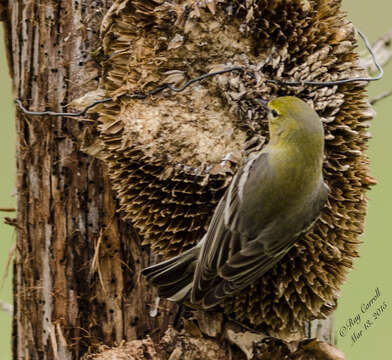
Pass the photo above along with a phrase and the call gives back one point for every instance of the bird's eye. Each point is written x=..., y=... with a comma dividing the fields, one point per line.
x=274, y=113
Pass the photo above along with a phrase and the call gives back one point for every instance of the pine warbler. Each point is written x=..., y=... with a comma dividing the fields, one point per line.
x=275, y=196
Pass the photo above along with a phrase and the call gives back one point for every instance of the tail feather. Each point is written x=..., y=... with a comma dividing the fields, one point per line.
x=170, y=291
x=174, y=277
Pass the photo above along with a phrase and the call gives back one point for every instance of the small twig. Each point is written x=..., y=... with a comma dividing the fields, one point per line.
x=380, y=97
x=11, y=222
x=7, y=209
x=95, y=261
x=382, y=49
x=10, y=256
x=8, y=308
x=95, y=264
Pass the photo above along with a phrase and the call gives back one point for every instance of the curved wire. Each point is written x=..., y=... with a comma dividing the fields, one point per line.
x=169, y=86
x=53, y=113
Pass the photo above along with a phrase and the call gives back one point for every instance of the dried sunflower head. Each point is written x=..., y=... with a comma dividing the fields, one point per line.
x=171, y=156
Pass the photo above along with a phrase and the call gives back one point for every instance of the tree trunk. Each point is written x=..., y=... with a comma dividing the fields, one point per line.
x=77, y=265
x=77, y=281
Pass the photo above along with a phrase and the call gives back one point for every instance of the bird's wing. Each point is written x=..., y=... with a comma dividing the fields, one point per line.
x=259, y=255
x=229, y=259
x=243, y=269
x=222, y=241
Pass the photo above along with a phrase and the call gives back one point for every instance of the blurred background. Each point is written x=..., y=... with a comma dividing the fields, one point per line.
x=374, y=268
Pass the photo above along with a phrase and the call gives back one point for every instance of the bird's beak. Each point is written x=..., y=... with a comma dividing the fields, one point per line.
x=263, y=103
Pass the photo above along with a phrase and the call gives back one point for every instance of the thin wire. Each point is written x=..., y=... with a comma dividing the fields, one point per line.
x=187, y=84
x=53, y=113
x=169, y=86
x=139, y=96
x=205, y=76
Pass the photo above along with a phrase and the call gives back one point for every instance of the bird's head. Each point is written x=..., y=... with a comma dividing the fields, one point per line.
x=293, y=121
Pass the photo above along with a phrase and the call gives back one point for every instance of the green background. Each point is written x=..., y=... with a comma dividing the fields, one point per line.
x=374, y=267
x=7, y=189
x=372, y=270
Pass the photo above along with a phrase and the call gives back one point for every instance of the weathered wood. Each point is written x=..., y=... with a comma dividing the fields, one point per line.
x=77, y=264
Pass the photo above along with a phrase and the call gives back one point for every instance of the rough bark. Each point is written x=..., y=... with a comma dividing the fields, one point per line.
x=77, y=282
x=76, y=279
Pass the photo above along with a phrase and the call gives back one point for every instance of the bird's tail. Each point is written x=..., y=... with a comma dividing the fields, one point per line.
x=174, y=277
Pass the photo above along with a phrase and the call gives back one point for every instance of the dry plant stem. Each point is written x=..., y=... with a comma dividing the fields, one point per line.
x=11, y=221
x=383, y=51
x=10, y=257
x=7, y=209
x=381, y=97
